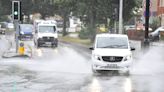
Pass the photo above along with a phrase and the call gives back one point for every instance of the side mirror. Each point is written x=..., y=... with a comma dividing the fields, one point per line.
x=132, y=48
x=91, y=48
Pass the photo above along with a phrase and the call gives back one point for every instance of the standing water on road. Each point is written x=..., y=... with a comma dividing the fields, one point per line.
x=150, y=62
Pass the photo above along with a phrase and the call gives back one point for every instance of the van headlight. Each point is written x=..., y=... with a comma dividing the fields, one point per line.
x=127, y=58
x=33, y=33
x=39, y=36
x=22, y=32
x=97, y=57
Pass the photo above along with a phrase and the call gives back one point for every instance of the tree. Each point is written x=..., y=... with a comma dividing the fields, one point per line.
x=44, y=7
x=5, y=7
x=95, y=11
x=128, y=8
x=64, y=8
x=27, y=7
x=98, y=11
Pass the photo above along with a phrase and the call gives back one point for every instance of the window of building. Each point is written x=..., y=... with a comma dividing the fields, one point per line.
x=162, y=3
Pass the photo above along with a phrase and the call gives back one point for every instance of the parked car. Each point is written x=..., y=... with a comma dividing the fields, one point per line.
x=111, y=52
x=3, y=26
x=26, y=31
x=156, y=34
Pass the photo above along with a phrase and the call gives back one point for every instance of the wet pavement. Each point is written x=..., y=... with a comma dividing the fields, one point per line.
x=68, y=69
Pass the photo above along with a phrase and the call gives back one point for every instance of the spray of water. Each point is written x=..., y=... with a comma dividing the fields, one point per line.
x=64, y=60
x=150, y=62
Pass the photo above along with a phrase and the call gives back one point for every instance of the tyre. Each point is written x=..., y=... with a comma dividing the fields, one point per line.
x=56, y=45
x=37, y=44
x=127, y=73
x=53, y=46
x=94, y=70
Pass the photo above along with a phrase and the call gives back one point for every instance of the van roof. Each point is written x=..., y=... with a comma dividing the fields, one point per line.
x=48, y=22
x=111, y=35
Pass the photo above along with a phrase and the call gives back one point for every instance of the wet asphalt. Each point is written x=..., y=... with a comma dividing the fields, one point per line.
x=67, y=68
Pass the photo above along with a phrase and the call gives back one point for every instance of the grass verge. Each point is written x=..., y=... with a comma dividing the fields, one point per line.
x=86, y=42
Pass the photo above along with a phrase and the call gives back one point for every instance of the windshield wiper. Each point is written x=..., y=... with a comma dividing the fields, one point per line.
x=114, y=46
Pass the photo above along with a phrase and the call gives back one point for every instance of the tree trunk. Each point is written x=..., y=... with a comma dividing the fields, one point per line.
x=92, y=22
x=64, y=25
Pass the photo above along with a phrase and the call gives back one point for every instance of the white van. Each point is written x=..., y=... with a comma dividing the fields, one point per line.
x=111, y=52
x=46, y=34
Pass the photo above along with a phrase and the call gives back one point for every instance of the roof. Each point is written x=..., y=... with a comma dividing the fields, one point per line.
x=48, y=22
x=25, y=24
x=111, y=35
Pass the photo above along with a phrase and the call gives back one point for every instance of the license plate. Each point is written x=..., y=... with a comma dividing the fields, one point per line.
x=111, y=66
x=28, y=36
x=47, y=42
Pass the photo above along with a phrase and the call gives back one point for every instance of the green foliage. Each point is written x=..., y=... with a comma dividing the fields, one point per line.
x=5, y=7
x=85, y=33
x=127, y=9
x=94, y=11
x=4, y=18
x=27, y=7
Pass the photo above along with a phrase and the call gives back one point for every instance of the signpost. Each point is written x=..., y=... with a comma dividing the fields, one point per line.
x=16, y=16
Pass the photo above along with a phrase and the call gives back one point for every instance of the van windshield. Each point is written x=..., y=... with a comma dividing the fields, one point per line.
x=26, y=28
x=47, y=29
x=112, y=42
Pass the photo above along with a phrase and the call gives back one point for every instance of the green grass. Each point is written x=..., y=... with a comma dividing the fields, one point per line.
x=76, y=40
x=162, y=38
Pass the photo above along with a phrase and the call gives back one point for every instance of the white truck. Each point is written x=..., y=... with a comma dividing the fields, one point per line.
x=46, y=34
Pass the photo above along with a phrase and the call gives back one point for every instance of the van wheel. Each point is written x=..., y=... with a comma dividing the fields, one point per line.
x=56, y=44
x=94, y=70
x=37, y=45
x=53, y=46
x=127, y=73
x=34, y=43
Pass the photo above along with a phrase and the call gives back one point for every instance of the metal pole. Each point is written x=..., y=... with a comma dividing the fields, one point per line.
x=115, y=26
x=120, y=16
x=16, y=23
x=146, y=41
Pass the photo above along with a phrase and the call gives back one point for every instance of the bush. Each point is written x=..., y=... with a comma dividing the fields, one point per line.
x=4, y=18
x=84, y=33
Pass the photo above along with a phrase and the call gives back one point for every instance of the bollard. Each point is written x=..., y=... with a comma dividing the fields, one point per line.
x=21, y=48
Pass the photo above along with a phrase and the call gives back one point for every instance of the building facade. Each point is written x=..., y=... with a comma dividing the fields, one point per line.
x=160, y=10
x=153, y=9
x=156, y=10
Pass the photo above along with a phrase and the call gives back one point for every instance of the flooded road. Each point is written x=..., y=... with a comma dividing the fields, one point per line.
x=65, y=69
